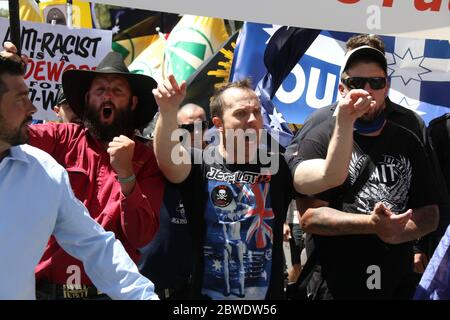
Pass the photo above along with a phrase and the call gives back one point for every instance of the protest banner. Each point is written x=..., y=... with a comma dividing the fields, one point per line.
x=417, y=71
x=53, y=50
x=412, y=18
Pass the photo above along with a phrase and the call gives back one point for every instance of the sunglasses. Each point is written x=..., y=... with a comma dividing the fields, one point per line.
x=376, y=83
x=191, y=126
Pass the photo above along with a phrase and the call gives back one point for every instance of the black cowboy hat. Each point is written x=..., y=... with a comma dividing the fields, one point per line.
x=77, y=82
x=61, y=97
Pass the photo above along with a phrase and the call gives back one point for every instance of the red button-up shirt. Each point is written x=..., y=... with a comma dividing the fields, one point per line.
x=134, y=219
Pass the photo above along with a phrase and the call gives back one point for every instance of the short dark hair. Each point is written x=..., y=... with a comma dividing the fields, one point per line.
x=11, y=67
x=359, y=40
x=216, y=103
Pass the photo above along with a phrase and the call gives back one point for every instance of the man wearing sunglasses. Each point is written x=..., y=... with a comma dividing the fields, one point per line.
x=362, y=231
x=393, y=112
x=401, y=116
x=192, y=118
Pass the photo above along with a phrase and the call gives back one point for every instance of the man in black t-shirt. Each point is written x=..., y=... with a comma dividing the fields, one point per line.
x=438, y=134
x=235, y=197
x=236, y=193
x=423, y=248
x=362, y=230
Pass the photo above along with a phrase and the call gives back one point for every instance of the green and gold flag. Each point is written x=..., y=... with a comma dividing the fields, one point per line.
x=130, y=49
x=193, y=40
x=149, y=62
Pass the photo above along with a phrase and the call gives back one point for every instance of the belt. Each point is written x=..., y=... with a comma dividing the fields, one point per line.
x=180, y=291
x=67, y=291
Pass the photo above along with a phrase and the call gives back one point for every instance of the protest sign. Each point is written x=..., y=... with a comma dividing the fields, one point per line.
x=53, y=50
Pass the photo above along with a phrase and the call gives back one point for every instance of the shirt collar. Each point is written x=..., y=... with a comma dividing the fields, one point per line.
x=17, y=153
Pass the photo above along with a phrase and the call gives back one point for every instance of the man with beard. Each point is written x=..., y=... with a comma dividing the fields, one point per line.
x=36, y=201
x=362, y=230
x=115, y=177
x=424, y=247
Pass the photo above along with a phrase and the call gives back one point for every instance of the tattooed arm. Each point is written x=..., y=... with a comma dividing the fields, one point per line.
x=317, y=218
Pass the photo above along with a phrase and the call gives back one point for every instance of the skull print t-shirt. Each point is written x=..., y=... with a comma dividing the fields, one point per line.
x=363, y=266
x=236, y=214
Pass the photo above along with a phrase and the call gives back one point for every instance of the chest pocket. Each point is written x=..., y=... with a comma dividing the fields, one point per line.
x=79, y=180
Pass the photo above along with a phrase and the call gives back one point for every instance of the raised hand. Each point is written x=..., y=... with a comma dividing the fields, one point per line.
x=10, y=52
x=169, y=95
x=355, y=104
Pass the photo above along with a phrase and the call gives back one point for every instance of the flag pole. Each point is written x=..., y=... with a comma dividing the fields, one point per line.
x=14, y=24
x=69, y=13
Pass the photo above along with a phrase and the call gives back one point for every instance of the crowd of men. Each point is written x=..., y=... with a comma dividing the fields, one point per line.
x=196, y=208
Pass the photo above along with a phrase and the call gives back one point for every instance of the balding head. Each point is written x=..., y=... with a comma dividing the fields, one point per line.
x=192, y=118
x=189, y=113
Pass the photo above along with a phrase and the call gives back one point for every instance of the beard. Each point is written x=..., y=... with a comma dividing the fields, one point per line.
x=122, y=123
x=14, y=137
x=371, y=117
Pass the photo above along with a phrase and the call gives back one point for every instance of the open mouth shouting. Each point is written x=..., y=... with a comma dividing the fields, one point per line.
x=106, y=112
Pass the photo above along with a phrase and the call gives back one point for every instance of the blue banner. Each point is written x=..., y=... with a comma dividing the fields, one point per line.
x=435, y=282
x=417, y=69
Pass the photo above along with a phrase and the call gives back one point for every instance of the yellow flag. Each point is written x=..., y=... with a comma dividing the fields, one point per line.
x=57, y=10
x=131, y=48
x=149, y=62
x=193, y=40
x=29, y=11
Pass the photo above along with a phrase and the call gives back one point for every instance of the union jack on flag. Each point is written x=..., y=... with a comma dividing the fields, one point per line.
x=257, y=195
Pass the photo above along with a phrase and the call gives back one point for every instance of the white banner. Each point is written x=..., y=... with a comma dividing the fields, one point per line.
x=418, y=18
x=53, y=50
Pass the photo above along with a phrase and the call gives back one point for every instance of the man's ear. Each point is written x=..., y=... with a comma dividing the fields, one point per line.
x=134, y=102
x=387, y=88
x=341, y=89
x=56, y=109
x=218, y=123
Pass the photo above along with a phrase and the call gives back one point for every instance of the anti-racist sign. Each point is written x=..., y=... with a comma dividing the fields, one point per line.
x=53, y=49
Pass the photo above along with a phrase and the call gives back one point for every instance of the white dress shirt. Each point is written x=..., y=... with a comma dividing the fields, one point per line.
x=36, y=201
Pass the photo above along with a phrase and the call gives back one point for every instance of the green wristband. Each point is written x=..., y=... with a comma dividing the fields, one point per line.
x=127, y=179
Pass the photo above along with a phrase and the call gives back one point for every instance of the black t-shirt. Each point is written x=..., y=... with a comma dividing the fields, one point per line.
x=401, y=116
x=439, y=143
x=167, y=259
x=402, y=180
x=236, y=215
x=440, y=139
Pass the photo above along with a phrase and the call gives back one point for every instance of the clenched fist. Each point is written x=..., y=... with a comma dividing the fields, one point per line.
x=121, y=150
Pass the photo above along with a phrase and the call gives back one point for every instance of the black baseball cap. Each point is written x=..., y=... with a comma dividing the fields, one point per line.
x=364, y=52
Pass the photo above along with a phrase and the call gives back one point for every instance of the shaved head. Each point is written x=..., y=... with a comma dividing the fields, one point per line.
x=189, y=113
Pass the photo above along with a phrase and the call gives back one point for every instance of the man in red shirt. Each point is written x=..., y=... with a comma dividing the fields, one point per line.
x=116, y=177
